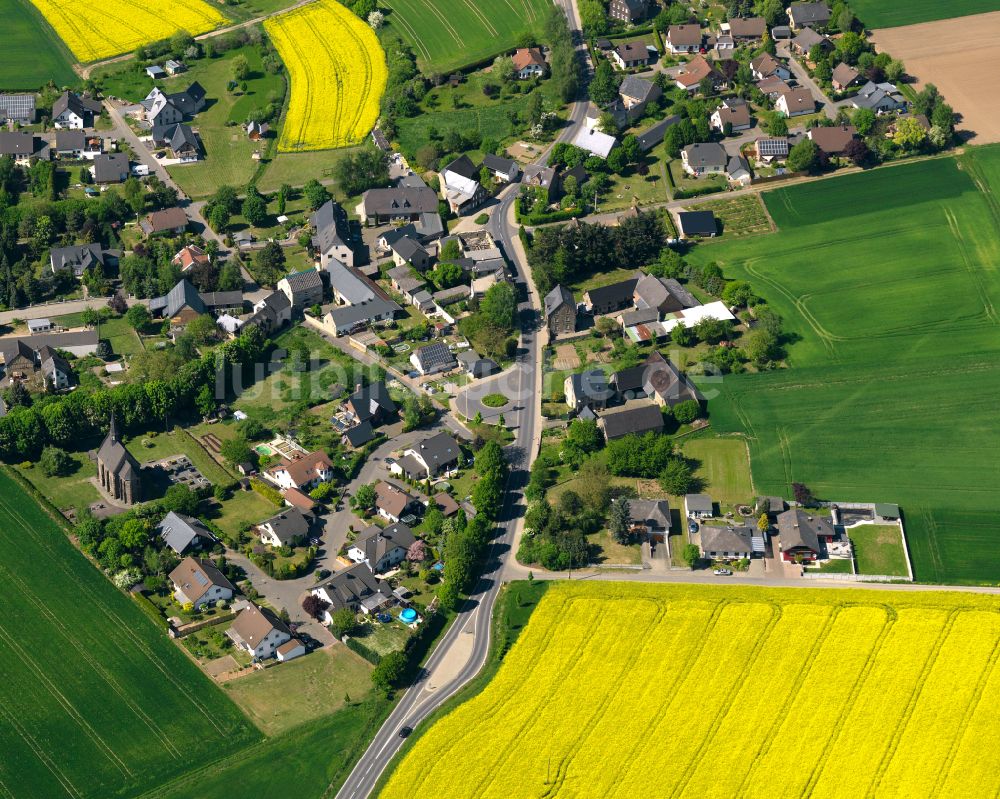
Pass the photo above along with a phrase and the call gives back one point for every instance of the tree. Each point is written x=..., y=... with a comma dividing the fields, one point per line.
x=375, y=20
x=417, y=552
x=777, y=125
x=241, y=68
x=447, y=274
x=763, y=523
x=593, y=17
x=690, y=554
x=314, y=606
x=315, y=194
x=738, y=293
x=181, y=499
x=804, y=156
x=849, y=46
x=499, y=306
x=604, y=85
x=803, y=495
x=864, y=120
x=255, y=208
x=620, y=521
x=117, y=303
x=204, y=401
x=909, y=134
x=583, y=437
x=203, y=329
x=218, y=217
x=236, y=450
x=364, y=497
x=54, y=462
x=687, y=411
x=448, y=595
x=389, y=672
x=677, y=477
x=342, y=622
x=269, y=263
x=138, y=317
x=894, y=70
x=857, y=150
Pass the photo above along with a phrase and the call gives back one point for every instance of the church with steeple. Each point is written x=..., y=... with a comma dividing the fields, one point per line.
x=117, y=469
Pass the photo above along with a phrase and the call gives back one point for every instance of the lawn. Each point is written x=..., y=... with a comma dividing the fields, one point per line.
x=759, y=660
x=493, y=120
x=632, y=188
x=178, y=442
x=96, y=701
x=878, y=549
x=456, y=33
x=242, y=508
x=738, y=216
x=33, y=54
x=892, y=14
x=683, y=181
x=307, y=688
x=227, y=156
x=73, y=490
x=888, y=285
x=296, y=169
x=609, y=552
x=724, y=466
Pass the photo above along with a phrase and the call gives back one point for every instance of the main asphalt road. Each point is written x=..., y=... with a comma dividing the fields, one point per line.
x=422, y=698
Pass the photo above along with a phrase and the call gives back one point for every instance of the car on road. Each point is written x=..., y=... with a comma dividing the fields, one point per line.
x=722, y=573
x=405, y=731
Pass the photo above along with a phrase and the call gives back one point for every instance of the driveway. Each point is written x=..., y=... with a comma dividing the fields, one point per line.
x=802, y=77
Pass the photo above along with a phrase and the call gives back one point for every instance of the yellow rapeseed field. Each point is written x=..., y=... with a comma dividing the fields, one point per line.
x=683, y=692
x=97, y=29
x=338, y=73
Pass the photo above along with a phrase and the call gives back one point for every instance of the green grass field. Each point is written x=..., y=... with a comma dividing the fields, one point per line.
x=724, y=466
x=456, y=33
x=32, y=54
x=878, y=549
x=888, y=280
x=95, y=700
x=893, y=13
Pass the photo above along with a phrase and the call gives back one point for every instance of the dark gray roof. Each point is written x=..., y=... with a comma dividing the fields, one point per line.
x=183, y=295
x=375, y=542
x=347, y=283
x=181, y=136
x=189, y=101
x=73, y=102
x=615, y=293
x=288, y=525
x=706, y=154
x=439, y=450
x=800, y=529
x=638, y=419
x=697, y=223
x=497, y=163
x=406, y=248
x=654, y=134
x=57, y=341
x=306, y=280
x=699, y=503
x=20, y=143
x=77, y=257
x=70, y=140
x=636, y=88
x=433, y=355
x=118, y=460
x=726, y=539
x=476, y=365
x=371, y=401
x=347, y=315
x=360, y=434
x=808, y=38
x=737, y=163
x=558, y=297
x=179, y=531
x=109, y=167
x=630, y=379
x=665, y=380
x=805, y=13
x=350, y=586
x=390, y=237
x=643, y=511
x=402, y=200
x=222, y=299
x=330, y=224
x=590, y=385
x=463, y=166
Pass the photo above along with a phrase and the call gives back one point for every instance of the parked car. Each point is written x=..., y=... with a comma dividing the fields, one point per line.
x=722, y=573
x=692, y=527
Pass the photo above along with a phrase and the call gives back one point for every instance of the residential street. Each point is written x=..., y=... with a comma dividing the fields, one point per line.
x=58, y=309
x=829, y=107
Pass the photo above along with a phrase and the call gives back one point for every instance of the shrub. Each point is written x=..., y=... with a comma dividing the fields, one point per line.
x=267, y=491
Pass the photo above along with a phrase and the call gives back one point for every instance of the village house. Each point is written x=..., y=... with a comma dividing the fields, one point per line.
x=355, y=588
x=372, y=403
x=698, y=506
x=408, y=251
x=833, y=140
x=434, y=456
x=198, y=582
x=24, y=147
x=807, y=14
x=505, y=170
x=560, y=311
x=637, y=419
x=331, y=231
x=594, y=141
x=738, y=172
x=111, y=168
x=528, y=63
x=258, y=632
x=17, y=108
x=628, y=11
x=587, y=389
x=795, y=102
x=749, y=30
x=189, y=257
x=181, y=533
x=303, y=473
x=683, y=39
x=80, y=257
x=381, y=549
x=801, y=535
x=734, y=112
x=392, y=502
x=698, y=224
x=169, y=220
x=767, y=66
x=807, y=39
x=611, y=298
x=649, y=519
x=636, y=94
x=881, y=98
x=179, y=139
x=433, y=358
x=303, y=289
x=704, y=158
x=286, y=529
x=694, y=72
x=73, y=111
x=629, y=55
x=844, y=76
x=401, y=204
x=460, y=185
x=768, y=149
x=726, y=543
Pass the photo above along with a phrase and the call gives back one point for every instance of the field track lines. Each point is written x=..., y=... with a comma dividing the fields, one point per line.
x=5, y=791
x=855, y=692
x=767, y=738
x=40, y=753
x=709, y=736
x=91, y=661
x=397, y=16
x=930, y=524
x=963, y=726
x=897, y=733
x=970, y=267
x=430, y=6
x=671, y=690
x=481, y=16
x=983, y=185
x=496, y=706
x=119, y=623
x=595, y=717
x=784, y=446
x=60, y=697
